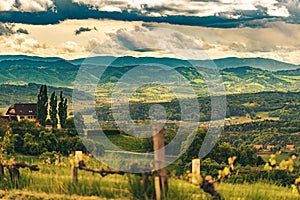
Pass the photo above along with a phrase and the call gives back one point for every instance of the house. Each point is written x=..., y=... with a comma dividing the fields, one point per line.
x=290, y=147
x=259, y=147
x=22, y=111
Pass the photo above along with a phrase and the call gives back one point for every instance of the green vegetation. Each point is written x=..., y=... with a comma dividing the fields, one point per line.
x=250, y=78
x=28, y=139
x=54, y=180
x=11, y=94
x=55, y=174
x=53, y=110
x=62, y=110
x=24, y=141
x=185, y=191
x=256, y=107
x=42, y=105
x=237, y=141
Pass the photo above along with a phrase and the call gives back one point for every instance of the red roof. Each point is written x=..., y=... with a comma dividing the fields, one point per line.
x=291, y=146
x=22, y=109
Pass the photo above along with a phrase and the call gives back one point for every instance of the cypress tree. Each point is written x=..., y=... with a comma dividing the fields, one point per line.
x=53, y=110
x=62, y=110
x=42, y=105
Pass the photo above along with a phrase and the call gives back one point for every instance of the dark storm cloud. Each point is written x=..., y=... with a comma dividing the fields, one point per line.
x=84, y=29
x=8, y=29
x=21, y=30
x=66, y=9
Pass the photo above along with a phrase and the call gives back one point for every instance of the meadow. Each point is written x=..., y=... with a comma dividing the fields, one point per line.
x=53, y=181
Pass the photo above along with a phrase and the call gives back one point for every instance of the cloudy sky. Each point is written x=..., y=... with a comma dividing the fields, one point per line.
x=191, y=29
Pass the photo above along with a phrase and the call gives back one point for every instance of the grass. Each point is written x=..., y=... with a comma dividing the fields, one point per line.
x=24, y=194
x=279, y=158
x=263, y=114
x=127, y=143
x=256, y=191
x=54, y=182
x=250, y=105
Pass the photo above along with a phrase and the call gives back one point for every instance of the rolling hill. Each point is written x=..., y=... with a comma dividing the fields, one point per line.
x=261, y=63
x=247, y=75
x=295, y=72
x=57, y=73
x=11, y=94
x=223, y=63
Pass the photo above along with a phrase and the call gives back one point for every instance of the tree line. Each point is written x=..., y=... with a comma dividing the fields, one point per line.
x=55, y=110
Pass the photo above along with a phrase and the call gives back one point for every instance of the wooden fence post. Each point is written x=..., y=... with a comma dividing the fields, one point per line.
x=78, y=158
x=74, y=174
x=195, y=171
x=14, y=174
x=161, y=182
x=157, y=188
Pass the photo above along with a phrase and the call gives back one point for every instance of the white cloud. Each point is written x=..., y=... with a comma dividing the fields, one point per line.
x=190, y=7
x=70, y=47
x=24, y=44
x=293, y=6
x=35, y=5
x=277, y=40
x=109, y=8
x=26, y=5
x=147, y=41
x=21, y=43
x=278, y=11
x=6, y=5
x=92, y=44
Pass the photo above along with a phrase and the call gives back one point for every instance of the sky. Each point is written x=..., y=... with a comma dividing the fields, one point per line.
x=187, y=29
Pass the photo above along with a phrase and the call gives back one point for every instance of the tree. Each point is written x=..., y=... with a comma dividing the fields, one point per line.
x=31, y=146
x=4, y=124
x=53, y=110
x=42, y=105
x=62, y=110
x=47, y=142
x=260, y=161
x=5, y=144
x=79, y=123
x=221, y=152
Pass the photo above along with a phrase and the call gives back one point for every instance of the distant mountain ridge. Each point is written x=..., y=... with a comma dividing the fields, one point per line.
x=222, y=63
x=25, y=57
x=295, y=72
x=239, y=74
x=261, y=63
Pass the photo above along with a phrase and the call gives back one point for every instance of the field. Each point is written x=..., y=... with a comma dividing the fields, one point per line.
x=179, y=190
x=54, y=182
x=279, y=158
x=247, y=124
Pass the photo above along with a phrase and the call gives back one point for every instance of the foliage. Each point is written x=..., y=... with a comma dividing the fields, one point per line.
x=79, y=123
x=53, y=110
x=42, y=105
x=5, y=143
x=52, y=158
x=284, y=164
x=227, y=170
x=26, y=93
x=280, y=174
x=296, y=186
x=28, y=139
x=62, y=110
x=55, y=181
x=141, y=190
